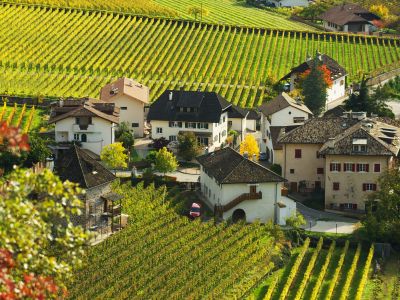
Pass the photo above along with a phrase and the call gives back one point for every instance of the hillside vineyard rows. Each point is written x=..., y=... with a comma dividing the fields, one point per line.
x=18, y=116
x=70, y=52
x=171, y=257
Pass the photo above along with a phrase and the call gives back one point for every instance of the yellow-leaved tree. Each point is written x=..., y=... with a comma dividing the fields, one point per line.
x=249, y=145
x=114, y=156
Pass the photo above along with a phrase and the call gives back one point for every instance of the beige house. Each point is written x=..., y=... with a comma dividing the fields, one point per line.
x=344, y=156
x=131, y=97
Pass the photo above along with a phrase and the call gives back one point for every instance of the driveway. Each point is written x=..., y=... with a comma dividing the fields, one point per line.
x=320, y=221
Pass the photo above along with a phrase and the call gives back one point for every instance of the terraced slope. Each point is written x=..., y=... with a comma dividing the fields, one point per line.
x=68, y=52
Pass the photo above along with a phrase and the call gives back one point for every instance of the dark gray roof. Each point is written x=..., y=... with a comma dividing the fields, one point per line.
x=337, y=111
x=348, y=13
x=381, y=139
x=228, y=166
x=77, y=166
x=277, y=132
x=253, y=114
x=208, y=106
x=235, y=112
x=332, y=65
x=317, y=130
x=280, y=102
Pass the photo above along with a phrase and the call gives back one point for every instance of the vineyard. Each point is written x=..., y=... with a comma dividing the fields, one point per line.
x=72, y=52
x=162, y=255
x=318, y=273
x=20, y=116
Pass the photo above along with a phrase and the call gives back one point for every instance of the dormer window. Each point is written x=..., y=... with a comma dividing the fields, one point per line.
x=359, y=145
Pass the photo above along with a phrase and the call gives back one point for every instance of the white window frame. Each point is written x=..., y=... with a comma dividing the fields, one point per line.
x=159, y=130
x=369, y=187
x=335, y=166
x=364, y=167
x=344, y=167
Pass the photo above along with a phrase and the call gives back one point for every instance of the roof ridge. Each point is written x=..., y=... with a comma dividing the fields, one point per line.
x=76, y=149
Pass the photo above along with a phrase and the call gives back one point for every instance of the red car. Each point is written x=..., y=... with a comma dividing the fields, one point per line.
x=194, y=210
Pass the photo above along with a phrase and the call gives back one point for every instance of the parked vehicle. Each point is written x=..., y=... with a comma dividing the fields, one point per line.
x=195, y=210
x=263, y=156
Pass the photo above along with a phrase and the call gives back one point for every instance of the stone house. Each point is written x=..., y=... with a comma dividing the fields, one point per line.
x=100, y=204
x=239, y=188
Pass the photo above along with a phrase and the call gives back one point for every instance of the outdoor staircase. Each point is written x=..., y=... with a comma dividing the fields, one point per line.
x=219, y=209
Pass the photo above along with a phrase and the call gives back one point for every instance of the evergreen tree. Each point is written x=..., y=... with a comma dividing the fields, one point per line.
x=314, y=87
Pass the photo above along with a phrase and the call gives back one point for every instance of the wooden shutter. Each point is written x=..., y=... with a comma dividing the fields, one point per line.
x=353, y=167
x=331, y=167
x=367, y=168
x=364, y=187
x=374, y=187
x=339, y=167
x=358, y=167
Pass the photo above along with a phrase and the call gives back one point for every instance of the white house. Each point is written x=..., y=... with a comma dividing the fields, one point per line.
x=90, y=122
x=279, y=116
x=131, y=97
x=238, y=188
x=290, y=3
x=338, y=76
x=349, y=18
x=203, y=113
x=244, y=121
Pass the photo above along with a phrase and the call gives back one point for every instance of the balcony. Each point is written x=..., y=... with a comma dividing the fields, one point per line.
x=239, y=199
x=83, y=128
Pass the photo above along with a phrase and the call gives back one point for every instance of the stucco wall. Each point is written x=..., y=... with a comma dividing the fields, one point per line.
x=305, y=168
x=99, y=134
x=351, y=183
x=337, y=90
x=239, y=125
x=133, y=114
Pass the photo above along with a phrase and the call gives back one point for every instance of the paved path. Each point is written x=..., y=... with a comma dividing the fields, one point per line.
x=321, y=221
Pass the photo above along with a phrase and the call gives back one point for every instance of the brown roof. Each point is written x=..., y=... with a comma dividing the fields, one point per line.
x=228, y=166
x=280, y=102
x=380, y=138
x=86, y=108
x=333, y=66
x=348, y=13
x=125, y=86
x=77, y=166
x=317, y=130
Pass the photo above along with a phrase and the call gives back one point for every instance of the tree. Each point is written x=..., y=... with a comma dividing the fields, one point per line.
x=232, y=137
x=165, y=161
x=196, y=11
x=114, y=156
x=314, y=10
x=188, y=147
x=314, y=87
x=296, y=220
x=124, y=135
x=360, y=101
x=249, y=145
x=382, y=221
x=160, y=143
x=39, y=151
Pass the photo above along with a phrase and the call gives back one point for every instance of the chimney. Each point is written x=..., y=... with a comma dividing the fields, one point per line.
x=170, y=96
x=61, y=103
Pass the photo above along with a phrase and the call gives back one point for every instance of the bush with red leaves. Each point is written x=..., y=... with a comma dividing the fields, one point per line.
x=11, y=139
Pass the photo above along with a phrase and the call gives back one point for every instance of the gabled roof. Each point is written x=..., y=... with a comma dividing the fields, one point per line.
x=337, y=111
x=348, y=13
x=381, y=139
x=227, y=166
x=333, y=66
x=77, y=166
x=280, y=102
x=207, y=106
x=125, y=86
x=253, y=114
x=317, y=130
x=84, y=108
x=235, y=112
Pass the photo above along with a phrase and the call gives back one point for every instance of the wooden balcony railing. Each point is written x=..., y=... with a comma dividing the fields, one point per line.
x=237, y=200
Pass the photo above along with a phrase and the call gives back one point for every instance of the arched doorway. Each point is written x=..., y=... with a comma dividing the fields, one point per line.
x=239, y=215
x=83, y=138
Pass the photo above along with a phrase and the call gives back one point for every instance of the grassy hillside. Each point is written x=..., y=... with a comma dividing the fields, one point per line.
x=234, y=12
x=66, y=52
x=162, y=255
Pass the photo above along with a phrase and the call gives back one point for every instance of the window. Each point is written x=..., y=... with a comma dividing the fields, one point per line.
x=84, y=137
x=253, y=189
x=202, y=140
x=172, y=138
x=135, y=124
x=223, y=120
x=349, y=167
x=348, y=206
x=320, y=170
x=124, y=108
x=175, y=124
x=190, y=125
x=76, y=136
x=342, y=82
x=298, y=119
x=223, y=133
x=202, y=125
x=359, y=148
x=362, y=167
x=377, y=168
x=297, y=153
x=336, y=186
x=159, y=129
x=369, y=187
x=335, y=167
x=77, y=121
x=229, y=123
x=291, y=171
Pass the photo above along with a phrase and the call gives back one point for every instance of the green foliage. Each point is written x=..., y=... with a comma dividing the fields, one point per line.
x=151, y=157
x=39, y=150
x=163, y=255
x=35, y=224
x=382, y=221
x=197, y=12
x=188, y=147
x=124, y=135
x=238, y=63
x=315, y=9
x=314, y=88
x=165, y=161
x=296, y=220
x=114, y=156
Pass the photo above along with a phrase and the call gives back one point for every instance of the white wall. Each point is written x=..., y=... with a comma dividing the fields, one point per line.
x=239, y=125
x=337, y=90
x=218, y=131
x=290, y=3
x=133, y=114
x=99, y=134
x=261, y=209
